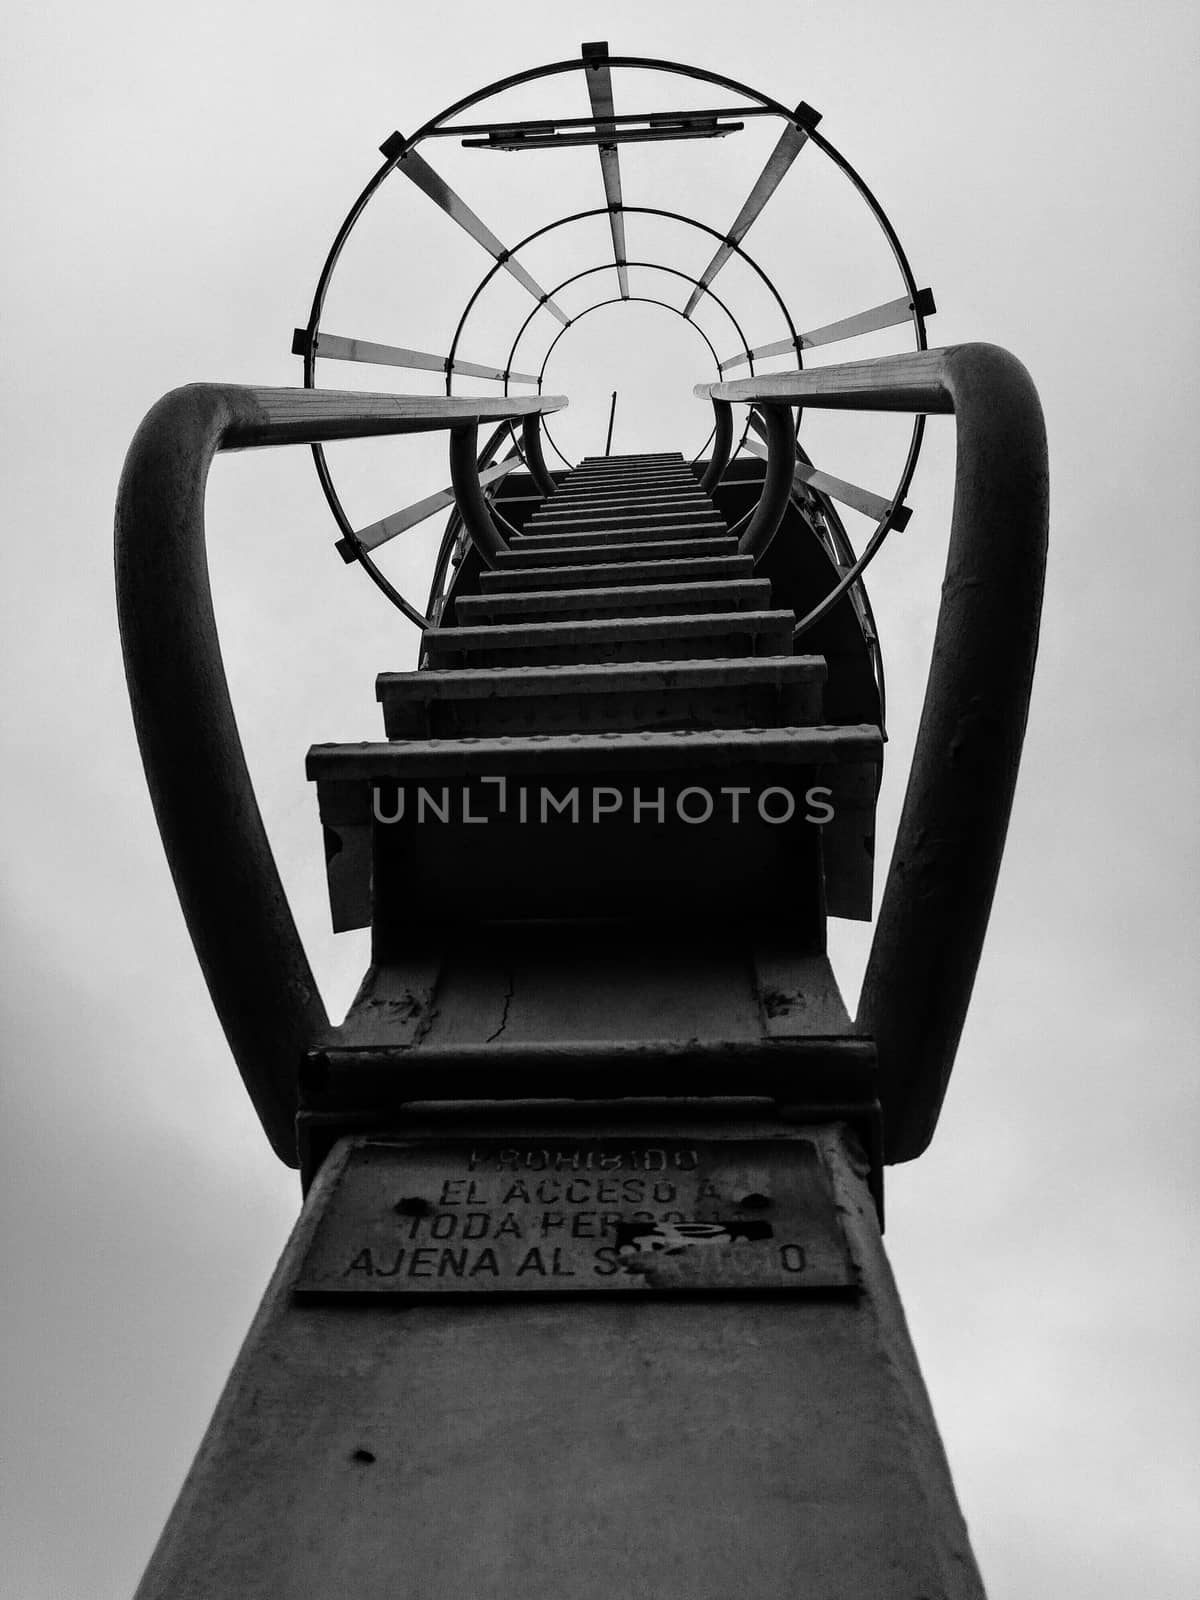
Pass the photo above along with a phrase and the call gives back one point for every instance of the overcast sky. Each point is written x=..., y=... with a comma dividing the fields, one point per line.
x=173, y=178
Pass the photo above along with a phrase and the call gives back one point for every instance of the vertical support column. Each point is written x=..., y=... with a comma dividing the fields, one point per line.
x=571, y=1447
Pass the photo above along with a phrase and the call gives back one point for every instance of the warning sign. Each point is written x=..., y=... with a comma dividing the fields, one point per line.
x=579, y=1217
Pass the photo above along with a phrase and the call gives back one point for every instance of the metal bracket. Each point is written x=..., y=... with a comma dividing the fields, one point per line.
x=922, y=303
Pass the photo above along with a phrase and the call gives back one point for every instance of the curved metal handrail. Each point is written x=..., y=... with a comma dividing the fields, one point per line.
x=821, y=516
x=851, y=566
x=722, y=438
x=457, y=535
x=760, y=524
x=946, y=858
x=217, y=848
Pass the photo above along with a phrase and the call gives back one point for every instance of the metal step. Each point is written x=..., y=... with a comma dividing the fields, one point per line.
x=640, y=752
x=602, y=499
x=637, y=824
x=697, y=569
x=572, y=522
x=624, y=467
x=744, y=633
x=673, y=477
x=639, y=455
x=619, y=464
x=587, y=504
x=839, y=1072
x=763, y=692
x=651, y=482
x=519, y=557
x=627, y=535
x=682, y=506
x=633, y=600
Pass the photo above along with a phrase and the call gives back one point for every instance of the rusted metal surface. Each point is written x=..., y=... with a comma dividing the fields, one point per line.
x=578, y=1216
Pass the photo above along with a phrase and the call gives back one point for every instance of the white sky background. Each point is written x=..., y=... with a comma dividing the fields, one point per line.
x=174, y=176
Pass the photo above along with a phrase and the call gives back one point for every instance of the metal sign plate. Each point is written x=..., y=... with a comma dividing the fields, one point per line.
x=554, y=1216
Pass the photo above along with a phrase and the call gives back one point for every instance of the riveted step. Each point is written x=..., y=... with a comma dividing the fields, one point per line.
x=601, y=471
x=643, y=482
x=655, y=505
x=616, y=466
x=643, y=751
x=620, y=459
x=633, y=600
x=577, y=522
x=601, y=574
x=574, y=552
x=625, y=490
x=760, y=692
x=680, y=475
x=531, y=644
x=601, y=499
x=595, y=824
x=640, y=455
x=626, y=535
x=679, y=483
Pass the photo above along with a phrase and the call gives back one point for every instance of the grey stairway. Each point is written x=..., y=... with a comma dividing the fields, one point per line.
x=597, y=846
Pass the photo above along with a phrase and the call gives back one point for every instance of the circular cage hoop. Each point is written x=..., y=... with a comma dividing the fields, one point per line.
x=650, y=266
x=398, y=148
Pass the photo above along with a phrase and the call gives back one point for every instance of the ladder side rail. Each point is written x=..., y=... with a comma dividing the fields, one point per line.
x=208, y=816
x=946, y=858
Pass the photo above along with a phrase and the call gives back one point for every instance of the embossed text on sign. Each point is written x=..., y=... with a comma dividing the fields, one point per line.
x=550, y=1216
